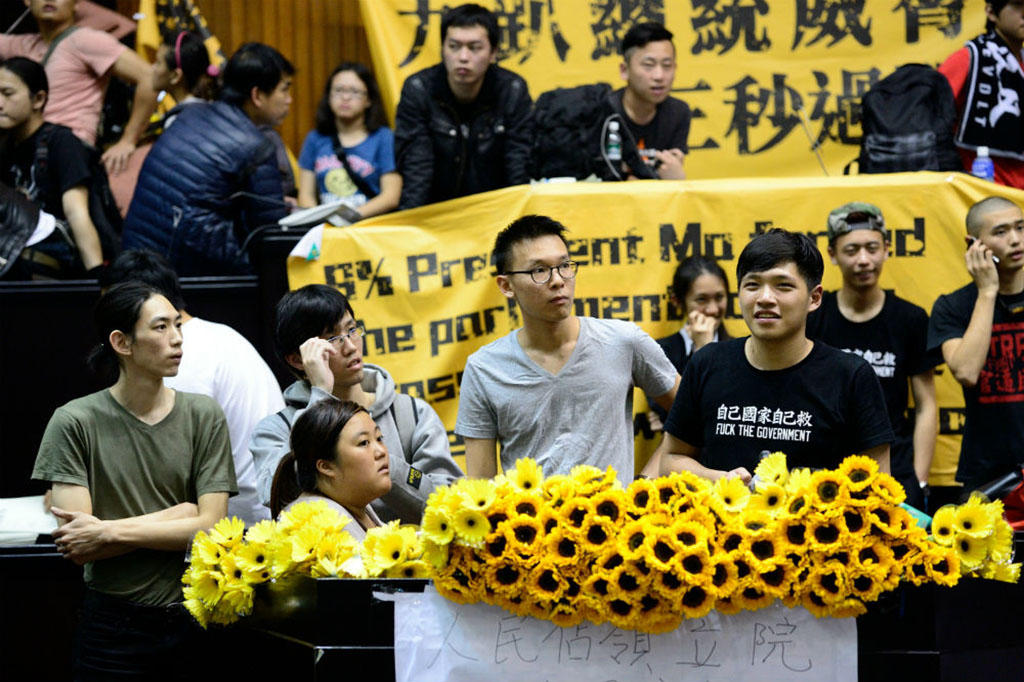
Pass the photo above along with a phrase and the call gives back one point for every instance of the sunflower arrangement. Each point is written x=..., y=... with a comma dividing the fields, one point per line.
x=582, y=547
x=980, y=536
x=309, y=539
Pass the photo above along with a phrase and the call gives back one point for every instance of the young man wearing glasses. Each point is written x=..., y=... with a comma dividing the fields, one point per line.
x=318, y=337
x=560, y=388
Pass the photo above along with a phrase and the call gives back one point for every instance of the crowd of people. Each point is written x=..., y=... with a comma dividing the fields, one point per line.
x=194, y=193
x=194, y=427
x=195, y=190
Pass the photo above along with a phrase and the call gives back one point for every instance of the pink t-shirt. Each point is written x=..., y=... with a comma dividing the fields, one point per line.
x=78, y=74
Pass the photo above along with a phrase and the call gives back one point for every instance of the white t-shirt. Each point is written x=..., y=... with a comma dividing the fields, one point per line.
x=219, y=362
x=582, y=415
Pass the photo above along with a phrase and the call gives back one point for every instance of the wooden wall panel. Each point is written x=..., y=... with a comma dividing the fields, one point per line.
x=315, y=35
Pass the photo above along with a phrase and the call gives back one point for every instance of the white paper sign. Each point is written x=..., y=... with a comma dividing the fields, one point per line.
x=437, y=640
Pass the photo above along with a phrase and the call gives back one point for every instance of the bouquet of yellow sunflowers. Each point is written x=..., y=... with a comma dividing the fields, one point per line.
x=582, y=547
x=309, y=539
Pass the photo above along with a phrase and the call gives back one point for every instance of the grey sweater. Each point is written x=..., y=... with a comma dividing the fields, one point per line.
x=430, y=454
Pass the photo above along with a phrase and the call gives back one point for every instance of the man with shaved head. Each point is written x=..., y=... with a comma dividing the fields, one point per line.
x=980, y=330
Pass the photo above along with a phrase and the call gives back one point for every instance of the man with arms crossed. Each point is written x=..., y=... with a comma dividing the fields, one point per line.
x=137, y=470
x=980, y=330
x=775, y=389
x=560, y=388
x=888, y=332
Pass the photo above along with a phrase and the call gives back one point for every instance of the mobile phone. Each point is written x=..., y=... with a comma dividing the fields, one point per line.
x=970, y=242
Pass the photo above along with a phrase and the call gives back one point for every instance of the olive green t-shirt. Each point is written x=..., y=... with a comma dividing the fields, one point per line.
x=133, y=468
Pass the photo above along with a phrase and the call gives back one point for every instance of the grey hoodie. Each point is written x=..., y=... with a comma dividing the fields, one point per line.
x=430, y=454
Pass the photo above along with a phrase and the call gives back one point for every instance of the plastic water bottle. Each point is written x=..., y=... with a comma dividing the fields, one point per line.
x=613, y=145
x=982, y=166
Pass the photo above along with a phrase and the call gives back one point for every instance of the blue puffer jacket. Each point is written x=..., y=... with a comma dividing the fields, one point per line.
x=183, y=206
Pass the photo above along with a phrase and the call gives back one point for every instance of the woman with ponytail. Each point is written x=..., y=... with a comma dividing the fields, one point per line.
x=137, y=469
x=338, y=454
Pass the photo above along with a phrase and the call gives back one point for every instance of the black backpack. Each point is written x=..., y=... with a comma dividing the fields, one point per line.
x=569, y=125
x=908, y=119
x=102, y=207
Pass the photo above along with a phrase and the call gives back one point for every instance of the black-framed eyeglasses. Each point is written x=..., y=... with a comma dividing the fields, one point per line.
x=541, y=274
x=351, y=335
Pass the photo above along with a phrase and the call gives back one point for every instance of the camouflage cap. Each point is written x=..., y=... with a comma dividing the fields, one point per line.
x=856, y=215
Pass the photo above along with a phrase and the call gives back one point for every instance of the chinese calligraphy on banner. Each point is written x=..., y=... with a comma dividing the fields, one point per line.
x=438, y=640
x=767, y=82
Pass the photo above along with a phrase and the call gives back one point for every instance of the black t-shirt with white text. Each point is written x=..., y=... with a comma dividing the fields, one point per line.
x=822, y=409
x=894, y=342
x=993, y=437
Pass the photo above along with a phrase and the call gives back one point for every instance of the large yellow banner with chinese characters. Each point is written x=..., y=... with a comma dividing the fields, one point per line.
x=422, y=280
x=768, y=83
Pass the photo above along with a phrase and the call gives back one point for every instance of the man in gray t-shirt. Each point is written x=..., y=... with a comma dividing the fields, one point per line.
x=560, y=388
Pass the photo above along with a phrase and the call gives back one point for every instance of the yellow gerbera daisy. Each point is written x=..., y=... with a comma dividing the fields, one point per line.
x=434, y=554
x=208, y=586
x=1008, y=573
x=974, y=518
x=298, y=515
x=732, y=493
x=263, y=531
x=972, y=551
x=769, y=498
x=410, y=569
x=199, y=611
x=773, y=469
x=942, y=525
x=799, y=480
x=255, y=560
x=527, y=475
x=206, y=550
x=475, y=493
x=1000, y=545
x=228, y=532
x=437, y=526
x=471, y=526
x=303, y=544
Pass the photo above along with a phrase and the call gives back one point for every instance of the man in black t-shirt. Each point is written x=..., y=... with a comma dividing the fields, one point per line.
x=776, y=389
x=980, y=330
x=888, y=332
x=658, y=123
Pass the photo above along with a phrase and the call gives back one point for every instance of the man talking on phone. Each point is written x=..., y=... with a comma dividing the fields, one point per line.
x=980, y=330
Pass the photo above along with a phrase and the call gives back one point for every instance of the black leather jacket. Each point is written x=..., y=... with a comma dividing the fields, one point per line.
x=446, y=150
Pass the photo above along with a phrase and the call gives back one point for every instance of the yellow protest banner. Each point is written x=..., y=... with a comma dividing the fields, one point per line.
x=422, y=280
x=767, y=82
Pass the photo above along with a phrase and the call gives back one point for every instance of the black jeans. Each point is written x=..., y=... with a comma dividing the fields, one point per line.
x=121, y=640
